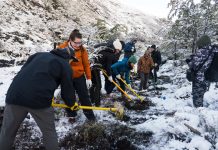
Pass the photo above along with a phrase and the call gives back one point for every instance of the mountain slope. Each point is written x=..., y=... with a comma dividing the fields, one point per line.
x=28, y=26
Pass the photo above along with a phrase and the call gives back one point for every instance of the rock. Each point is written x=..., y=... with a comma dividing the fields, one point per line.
x=6, y=63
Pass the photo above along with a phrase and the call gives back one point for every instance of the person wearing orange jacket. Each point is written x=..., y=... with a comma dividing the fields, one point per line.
x=82, y=73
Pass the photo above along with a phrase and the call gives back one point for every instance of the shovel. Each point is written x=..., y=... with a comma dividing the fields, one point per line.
x=117, y=109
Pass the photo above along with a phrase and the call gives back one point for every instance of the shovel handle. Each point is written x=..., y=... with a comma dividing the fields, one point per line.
x=131, y=89
x=117, y=85
x=85, y=107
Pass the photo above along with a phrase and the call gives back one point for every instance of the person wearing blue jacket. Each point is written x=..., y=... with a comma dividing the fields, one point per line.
x=122, y=69
x=129, y=49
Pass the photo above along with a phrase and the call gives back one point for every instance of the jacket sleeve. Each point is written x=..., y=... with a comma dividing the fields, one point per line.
x=196, y=59
x=139, y=65
x=159, y=60
x=152, y=63
x=86, y=64
x=115, y=67
x=127, y=77
x=67, y=89
x=108, y=65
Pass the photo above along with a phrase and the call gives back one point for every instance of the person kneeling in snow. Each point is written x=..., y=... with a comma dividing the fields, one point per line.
x=145, y=64
x=120, y=69
x=32, y=91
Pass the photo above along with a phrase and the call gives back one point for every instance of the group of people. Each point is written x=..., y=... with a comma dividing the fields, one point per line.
x=68, y=66
x=32, y=90
x=107, y=61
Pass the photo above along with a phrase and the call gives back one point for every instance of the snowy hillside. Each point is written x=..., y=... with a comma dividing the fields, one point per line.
x=28, y=26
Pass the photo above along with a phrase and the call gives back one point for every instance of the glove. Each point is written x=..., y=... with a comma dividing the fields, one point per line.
x=89, y=83
x=75, y=107
x=110, y=78
x=155, y=64
x=118, y=76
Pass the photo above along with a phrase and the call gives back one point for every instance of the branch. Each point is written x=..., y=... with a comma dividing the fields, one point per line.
x=193, y=129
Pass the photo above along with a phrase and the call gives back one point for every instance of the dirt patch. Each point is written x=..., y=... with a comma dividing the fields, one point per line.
x=104, y=137
x=138, y=105
x=165, y=79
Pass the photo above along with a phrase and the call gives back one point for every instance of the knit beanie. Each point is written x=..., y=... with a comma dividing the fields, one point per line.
x=132, y=59
x=203, y=41
x=117, y=44
x=153, y=46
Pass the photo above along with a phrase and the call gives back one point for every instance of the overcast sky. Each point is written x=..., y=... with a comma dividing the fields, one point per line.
x=152, y=7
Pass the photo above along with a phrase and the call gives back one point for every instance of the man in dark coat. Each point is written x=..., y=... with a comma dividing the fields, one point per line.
x=156, y=56
x=104, y=59
x=32, y=91
x=203, y=57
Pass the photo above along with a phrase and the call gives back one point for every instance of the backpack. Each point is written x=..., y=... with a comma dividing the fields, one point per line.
x=212, y=72
x=190, y=73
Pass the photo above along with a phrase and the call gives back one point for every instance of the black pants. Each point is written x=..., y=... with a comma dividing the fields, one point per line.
x=82, y=91
x=154, y=75
x=95, y=90
x=109, y=86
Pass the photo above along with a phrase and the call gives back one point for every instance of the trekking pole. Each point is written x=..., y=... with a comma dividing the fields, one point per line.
x=117, y=85
x=131, y=90
x=117, y=109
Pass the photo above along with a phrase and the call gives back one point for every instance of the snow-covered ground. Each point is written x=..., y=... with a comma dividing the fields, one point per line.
x=178, y=100
x=169, y=120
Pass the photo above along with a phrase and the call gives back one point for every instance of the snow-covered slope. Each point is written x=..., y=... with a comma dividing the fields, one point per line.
x=28, y=26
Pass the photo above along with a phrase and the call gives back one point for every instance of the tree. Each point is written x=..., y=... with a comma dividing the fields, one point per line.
x=104, y=33
x=192, y=21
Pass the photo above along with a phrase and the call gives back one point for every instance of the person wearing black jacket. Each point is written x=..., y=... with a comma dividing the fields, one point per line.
x=156, y=56
x=32, y=91
x=104, y=60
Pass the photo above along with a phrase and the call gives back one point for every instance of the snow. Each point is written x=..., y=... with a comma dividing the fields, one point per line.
x=167, y=129
x=202, y=119
x=6, y=77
